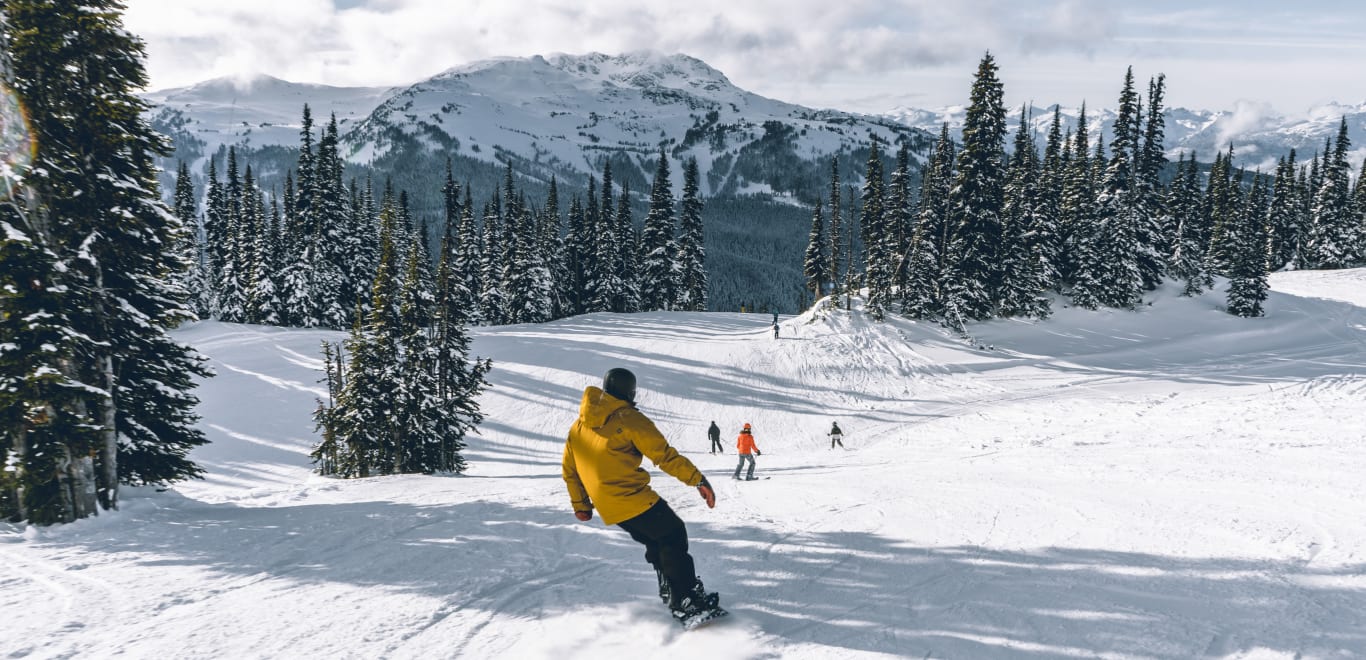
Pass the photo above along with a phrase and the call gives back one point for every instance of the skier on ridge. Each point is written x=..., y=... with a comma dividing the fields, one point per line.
x=602, y=468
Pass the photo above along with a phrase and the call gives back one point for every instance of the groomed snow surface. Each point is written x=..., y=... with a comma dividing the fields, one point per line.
x=1170, y=483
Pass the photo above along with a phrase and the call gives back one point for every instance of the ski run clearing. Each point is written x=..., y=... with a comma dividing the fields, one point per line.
x=1168, y=483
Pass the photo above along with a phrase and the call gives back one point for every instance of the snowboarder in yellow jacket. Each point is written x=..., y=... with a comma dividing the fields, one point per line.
x=602, y=470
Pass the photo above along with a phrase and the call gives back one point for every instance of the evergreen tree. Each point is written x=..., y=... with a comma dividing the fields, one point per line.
x=492, y=300
x=1078, y=222
x=1152, y=242
x=836, y=227
x=921, y=298
x=899, y=222
x=873, y=228
x=1283, y=218
x=658, y=270
x=85, y=254
x=1221, y=207
x=1190, y=233
x=232, y=291
x=814, y=267
x=1052, y=175
x=190, y=277
x=1333, y=226
x=627, y=275
x=1247, y=287
x=978, y=193
x=1109, y=259
x=692, y=253
x=1022, y=279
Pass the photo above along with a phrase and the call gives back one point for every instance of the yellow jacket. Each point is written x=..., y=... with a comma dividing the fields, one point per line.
x=602, y=458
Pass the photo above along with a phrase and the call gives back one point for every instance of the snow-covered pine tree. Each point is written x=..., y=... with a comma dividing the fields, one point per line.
x=468, y=260
x=1190, y=235
x=814, y=266
x=263, y=299
x=658, y=249
x=458, y=379
x=232, y=274
x=595, y=272
x=105, y=399
x=1150, y=159
x=1283, y=218
x=628, y=274
x=1078, y=225
x=555, y=253
x=978, y=195
x=192, y=278
x=1247, y=270
x=692, y=251
x=1022, y=281
x=215, y=237
x=899, y=222
x=1357, y=239
x=533, y=290
x=1052, y=174
x=1110, y=258
x=873, y=229
x=1221, y=207
x=836, y=227
x=921, y=296
x=1333, y=221
x=492, y=302
x=416, y=406
x=331, y=220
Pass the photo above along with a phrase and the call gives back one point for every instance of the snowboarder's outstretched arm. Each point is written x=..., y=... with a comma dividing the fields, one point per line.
x=578, y=495
x=652, y=445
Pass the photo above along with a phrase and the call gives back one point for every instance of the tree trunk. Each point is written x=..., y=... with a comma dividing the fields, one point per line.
x=108, y=448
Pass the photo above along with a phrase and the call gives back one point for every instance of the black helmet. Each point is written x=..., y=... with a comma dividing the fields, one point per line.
x=620, y=383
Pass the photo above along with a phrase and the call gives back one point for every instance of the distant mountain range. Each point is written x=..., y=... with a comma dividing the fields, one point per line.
x=1259, y=135
x=562, y=115
x=566, y=114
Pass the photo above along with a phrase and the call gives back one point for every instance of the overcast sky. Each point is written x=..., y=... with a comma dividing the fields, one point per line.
x=860, y=55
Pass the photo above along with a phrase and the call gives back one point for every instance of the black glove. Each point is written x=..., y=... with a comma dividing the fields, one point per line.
x=758, y=453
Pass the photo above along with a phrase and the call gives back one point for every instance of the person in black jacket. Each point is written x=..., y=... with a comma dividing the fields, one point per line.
x=715, y=434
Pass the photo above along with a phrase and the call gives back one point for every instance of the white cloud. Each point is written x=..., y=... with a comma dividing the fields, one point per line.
x=394, y=41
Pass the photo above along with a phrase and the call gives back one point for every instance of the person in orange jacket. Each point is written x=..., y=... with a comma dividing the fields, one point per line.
x=601, y=469
x=745, y=443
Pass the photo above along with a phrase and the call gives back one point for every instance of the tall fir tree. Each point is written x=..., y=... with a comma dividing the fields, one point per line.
x=921, y=298
x=836, y=226
x=107, y=398
x=1332, y=240
x=658, y=276
x=692, y=251
x=1022, y=261
x=814, y=265
x=976, y=211
x=1247, y=287
x=191, y=277
x=873, y=229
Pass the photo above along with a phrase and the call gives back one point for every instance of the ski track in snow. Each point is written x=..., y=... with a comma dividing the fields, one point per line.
x=1166, y=483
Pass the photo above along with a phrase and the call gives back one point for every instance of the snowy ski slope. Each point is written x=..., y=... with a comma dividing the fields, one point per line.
x=1167, y=483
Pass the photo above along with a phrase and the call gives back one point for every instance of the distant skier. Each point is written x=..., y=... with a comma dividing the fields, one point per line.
x=714, y=434
x=602, y=468
x=745, y=443
x=835, y=435
x=775, y=329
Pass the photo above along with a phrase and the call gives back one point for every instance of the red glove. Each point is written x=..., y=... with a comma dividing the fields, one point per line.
x=584, y=515
x=707, y=493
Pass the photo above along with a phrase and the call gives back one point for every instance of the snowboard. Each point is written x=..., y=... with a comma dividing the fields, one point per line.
x=703, y=618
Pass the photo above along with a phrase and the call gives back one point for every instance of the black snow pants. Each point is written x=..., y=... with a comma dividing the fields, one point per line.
x=665, y=538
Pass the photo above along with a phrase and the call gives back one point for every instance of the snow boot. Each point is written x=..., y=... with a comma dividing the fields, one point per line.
x=664, y=590
x=696, y=607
